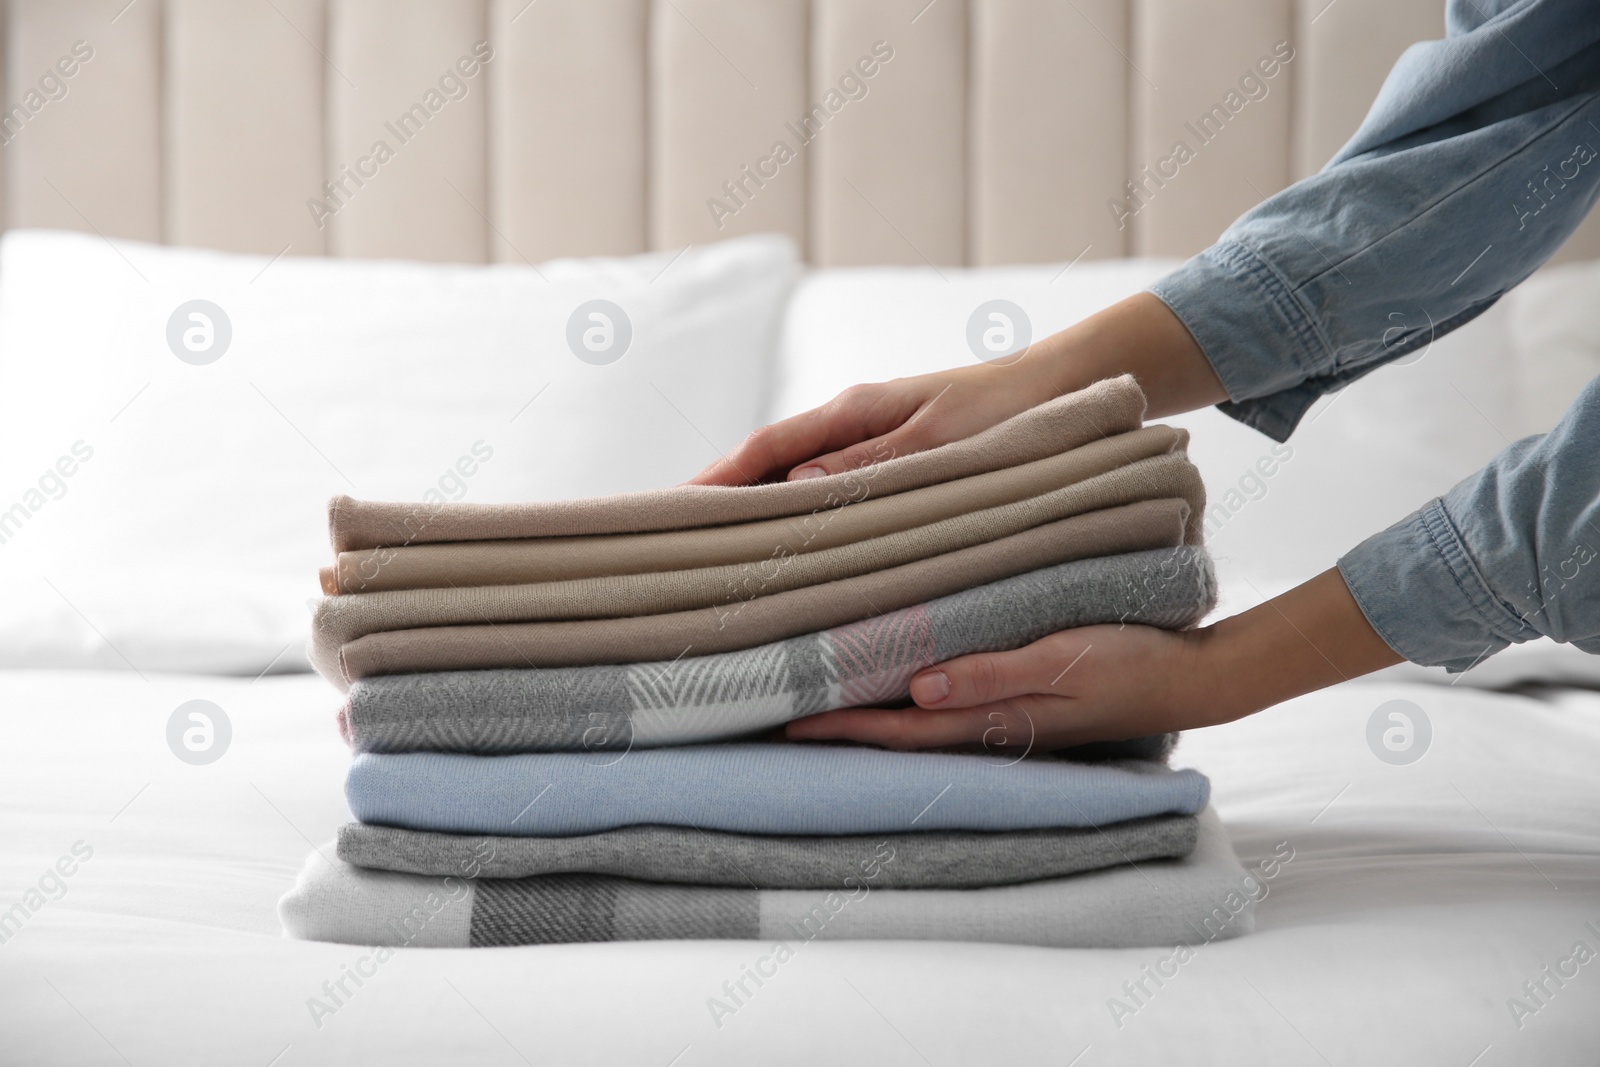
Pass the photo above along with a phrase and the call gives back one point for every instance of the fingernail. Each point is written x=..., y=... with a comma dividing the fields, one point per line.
x=930, y=687
x=801, y=473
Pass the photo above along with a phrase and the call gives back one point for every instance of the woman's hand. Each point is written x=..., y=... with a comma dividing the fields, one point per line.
x=868, y=423
x=1111, y=682
x=1097, y=683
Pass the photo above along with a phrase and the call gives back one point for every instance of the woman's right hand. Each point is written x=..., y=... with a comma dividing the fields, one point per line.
x=870, y=423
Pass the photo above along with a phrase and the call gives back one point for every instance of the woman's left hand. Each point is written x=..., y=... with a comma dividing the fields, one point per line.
x=1114, y=682
x=1096, y=683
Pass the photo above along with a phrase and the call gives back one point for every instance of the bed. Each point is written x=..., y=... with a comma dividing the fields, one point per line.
x=1418, y=901
x=1433, y=841
x=1419, y=897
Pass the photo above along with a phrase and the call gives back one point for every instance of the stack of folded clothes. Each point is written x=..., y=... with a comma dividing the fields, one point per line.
x=562, y=713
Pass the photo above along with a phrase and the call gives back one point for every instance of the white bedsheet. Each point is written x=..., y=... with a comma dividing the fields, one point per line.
x=1419, y=899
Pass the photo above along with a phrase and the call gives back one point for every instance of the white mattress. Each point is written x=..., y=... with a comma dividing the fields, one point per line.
x=1419, y=899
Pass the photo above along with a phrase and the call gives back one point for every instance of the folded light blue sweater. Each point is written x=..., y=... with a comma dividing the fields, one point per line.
x=777, y=788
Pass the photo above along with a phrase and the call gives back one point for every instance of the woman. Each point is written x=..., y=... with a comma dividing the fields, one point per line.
x=1479, y=157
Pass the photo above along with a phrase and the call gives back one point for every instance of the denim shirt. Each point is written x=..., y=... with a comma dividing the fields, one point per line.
x=1479, y=157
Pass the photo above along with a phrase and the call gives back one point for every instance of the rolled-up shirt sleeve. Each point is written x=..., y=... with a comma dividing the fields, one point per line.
x=1480, y=156
x=1508, y=555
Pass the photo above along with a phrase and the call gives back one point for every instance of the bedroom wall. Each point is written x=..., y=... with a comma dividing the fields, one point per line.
x=989, y=131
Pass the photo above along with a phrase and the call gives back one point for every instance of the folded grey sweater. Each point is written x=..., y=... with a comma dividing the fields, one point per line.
x=1203, y=897
x=708, y=698
x=949, y=859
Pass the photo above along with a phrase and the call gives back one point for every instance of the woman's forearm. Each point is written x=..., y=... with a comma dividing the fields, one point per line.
x=1138, y=336
x=1311, y=637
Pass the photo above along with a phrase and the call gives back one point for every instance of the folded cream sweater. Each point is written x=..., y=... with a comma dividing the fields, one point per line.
x=550, y=559
x=1107, y=408
x=724, y=628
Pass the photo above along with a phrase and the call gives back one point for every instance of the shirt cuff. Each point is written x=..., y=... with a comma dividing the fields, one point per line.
x=1419, y=588
x=1263, y=344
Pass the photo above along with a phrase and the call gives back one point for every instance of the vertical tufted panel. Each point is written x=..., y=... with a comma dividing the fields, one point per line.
x=5, y=85
x=724, y=80
x=109, y=121
x=999, y=131
x=1346, y=49
x=567, y=128
x=1049, y=137
x=889, y=170
x=394, y=92
x=1191, y=56
x=244, y=134
x=1584, y=242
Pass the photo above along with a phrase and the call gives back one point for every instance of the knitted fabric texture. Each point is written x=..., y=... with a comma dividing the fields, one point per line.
x=728, y=695
x=1104, y=409
x=1203, y=897
x=756, y=621
x=759, y=788
x=949, y=859
x=549, y=559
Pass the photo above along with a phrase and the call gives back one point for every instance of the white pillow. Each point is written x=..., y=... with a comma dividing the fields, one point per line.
x=169, y=514
x=1361, y=459
x=870, y=324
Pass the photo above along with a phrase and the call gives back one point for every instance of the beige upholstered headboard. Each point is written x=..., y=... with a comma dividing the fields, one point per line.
x=942, y=131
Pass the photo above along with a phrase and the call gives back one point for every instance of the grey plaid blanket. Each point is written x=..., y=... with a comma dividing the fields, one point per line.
x=735, y=694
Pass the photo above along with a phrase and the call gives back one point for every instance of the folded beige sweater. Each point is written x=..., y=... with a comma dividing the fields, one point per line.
x=1104, y=409
x=549, y=559
x=342, y=619
x=1130, y=528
